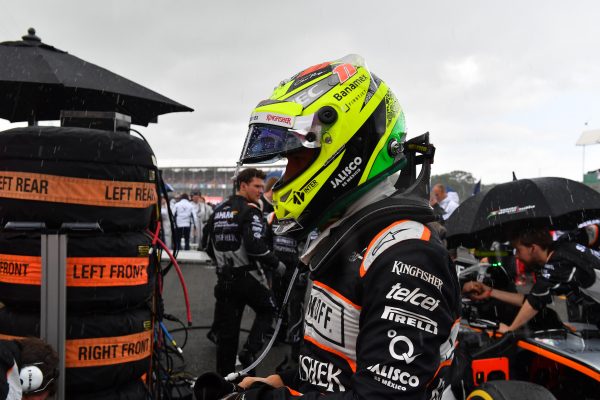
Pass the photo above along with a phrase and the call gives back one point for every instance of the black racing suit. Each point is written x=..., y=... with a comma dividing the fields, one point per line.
x=237, y=238
x=383, y=313
x=570, y=270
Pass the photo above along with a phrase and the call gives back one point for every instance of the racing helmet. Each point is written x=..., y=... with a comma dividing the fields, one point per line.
x=340, y=128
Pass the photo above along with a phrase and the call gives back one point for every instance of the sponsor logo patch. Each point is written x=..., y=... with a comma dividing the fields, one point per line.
x=326, y=316
x=321, y=374
x=350, y=87
x=347, y=174
x=401, y=348
x=298, y=197
x=392, y=377
x=400, y=268
x=404, y=317
x=308, y=96
x=414, y=297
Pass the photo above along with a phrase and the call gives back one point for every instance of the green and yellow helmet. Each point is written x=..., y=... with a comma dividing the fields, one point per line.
x=340, y=128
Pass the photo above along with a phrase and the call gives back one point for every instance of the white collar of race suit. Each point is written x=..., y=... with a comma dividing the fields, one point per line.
x=382, y=191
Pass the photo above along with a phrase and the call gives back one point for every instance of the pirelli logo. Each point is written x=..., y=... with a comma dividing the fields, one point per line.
x=81, y=271
x=405, y=317
x=98, y=352
x=64, y=189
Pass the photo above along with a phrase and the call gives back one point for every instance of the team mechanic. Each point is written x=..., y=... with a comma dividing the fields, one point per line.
x=237, y=237
x=383, y=313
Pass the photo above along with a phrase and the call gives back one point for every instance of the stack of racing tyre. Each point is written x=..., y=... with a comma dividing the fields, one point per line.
x=75, y=175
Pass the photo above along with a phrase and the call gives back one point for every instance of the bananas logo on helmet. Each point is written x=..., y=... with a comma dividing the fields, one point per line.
x=340, y=128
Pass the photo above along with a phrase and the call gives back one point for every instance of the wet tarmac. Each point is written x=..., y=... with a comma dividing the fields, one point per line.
x=200, y=353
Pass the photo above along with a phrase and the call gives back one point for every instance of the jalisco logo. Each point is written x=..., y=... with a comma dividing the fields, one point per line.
x=401, y=268
x=510, y=210
x=321, y=374
x=355, y=84
x=347, y=174
x=413, y=297
x=393, y=377
x=405, y=317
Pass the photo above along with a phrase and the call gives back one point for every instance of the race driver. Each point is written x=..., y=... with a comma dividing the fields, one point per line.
x=382, y=317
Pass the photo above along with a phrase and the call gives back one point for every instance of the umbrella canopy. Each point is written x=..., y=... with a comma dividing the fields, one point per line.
x=37, y=81
x=558, y=203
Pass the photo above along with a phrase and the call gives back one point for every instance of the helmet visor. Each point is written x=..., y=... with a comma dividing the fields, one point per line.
x=269, y=142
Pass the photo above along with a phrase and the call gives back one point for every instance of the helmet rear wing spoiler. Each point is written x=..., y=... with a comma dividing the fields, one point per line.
x=418, y=151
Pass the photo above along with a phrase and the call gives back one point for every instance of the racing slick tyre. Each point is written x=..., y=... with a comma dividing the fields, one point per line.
x=59, y=175
x=510, y=390
x=102, y=351
x=104, y=271
x=132, y=391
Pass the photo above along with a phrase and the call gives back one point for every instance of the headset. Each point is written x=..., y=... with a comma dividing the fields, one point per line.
x=32, y=379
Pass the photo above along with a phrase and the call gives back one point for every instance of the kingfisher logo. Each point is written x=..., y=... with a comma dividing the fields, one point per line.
x=280, y=119
x=347, y=174
x=283, y=120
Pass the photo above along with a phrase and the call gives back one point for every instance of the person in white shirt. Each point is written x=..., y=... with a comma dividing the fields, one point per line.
x=203, y=213
x=440, y=197
x=185, y=218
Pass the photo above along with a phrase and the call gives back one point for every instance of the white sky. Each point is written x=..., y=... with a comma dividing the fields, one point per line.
x=501, y=86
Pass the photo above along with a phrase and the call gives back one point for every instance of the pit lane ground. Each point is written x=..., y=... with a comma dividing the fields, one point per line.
x=200, y=353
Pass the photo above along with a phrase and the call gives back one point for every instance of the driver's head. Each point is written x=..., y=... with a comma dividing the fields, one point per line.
x=341, y=130
x=532, y=245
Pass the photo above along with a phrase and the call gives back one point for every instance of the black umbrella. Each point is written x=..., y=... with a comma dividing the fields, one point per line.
x=37, y=81
x=558, y=203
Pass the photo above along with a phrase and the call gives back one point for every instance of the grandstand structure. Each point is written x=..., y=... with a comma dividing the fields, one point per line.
x=215, y=181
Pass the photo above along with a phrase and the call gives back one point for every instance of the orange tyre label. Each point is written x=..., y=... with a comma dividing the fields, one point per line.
x=81, y=271
x=63, y=189
x=99, y=352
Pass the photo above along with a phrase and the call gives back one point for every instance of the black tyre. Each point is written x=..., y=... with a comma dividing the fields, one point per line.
x=57, y=175
x=510, y=390
x=102, y=350
x=105, y=272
